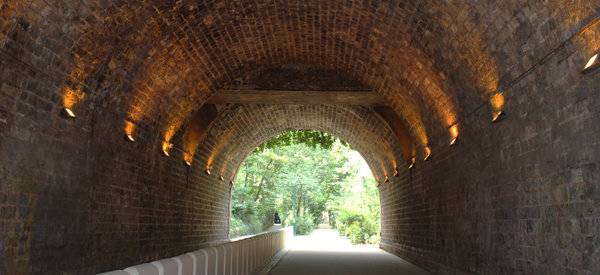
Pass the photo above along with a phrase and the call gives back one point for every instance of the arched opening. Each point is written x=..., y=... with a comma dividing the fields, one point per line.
x=101, y=102
x=307, y=179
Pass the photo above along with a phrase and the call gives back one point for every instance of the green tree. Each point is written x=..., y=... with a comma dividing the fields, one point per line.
x=311, y=164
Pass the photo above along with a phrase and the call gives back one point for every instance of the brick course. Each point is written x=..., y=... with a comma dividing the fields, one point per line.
x=516, y=197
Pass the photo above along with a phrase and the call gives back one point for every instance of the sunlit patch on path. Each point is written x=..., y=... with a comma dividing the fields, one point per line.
x=325, y=252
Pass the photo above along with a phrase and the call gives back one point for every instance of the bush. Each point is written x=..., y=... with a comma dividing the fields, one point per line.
x=305, y=225
x=239, y=227
x=358, y=227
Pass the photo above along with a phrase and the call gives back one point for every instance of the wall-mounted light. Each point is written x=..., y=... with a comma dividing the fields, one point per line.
x=221, y=178
x=207, y=172
x=166, y=147
x=412, y=162
x=592, y=64
x=231, y=182
x=396, y=173
x=67, y=113
x=427, y=153
x=497, y=105
x=454, y=135
x=498, y=116
x=129, y=138
x=454, y=141
x=187, y=162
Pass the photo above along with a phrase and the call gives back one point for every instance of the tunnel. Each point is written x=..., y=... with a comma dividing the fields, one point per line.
x=123, y=124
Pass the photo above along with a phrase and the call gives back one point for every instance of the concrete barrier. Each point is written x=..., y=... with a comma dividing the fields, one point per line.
x=238, y=257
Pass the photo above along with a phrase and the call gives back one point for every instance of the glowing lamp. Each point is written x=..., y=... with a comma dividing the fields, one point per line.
x=67, y=113
x=207, y=172
x=396, y=173
x=231, y=182
x=454, y=141
x=591, y=64
x=187, y=162
x=411, y=163
x=498, y=116
x=221, y=178
x=386, y=179
x=454, y=135
x=166, y=148
x=427, y=153
x=129, y=138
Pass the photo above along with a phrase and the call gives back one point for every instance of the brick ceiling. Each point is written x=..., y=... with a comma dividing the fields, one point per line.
x=433, y=62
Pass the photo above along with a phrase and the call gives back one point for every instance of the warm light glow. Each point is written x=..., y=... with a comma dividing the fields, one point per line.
x=454, y=134
x=207, y=171
x=396, y=173
x=387, y=179
x=231, y=182
x=71, y=97
x=454, y=130
x=498, y=116
x=591, y=62
x=412, y=162
x=497, y=101
x=166, y=147
x=221, y=178
x=454, y=141
x=129, y=128
x=188, y=158
x=69, y=112
x=427, y=153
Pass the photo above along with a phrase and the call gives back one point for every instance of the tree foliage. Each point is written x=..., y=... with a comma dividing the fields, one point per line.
x=311, y=138
x=299, y=175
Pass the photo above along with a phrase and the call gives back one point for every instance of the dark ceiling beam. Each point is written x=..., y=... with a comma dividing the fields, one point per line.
x=393, y=120
x=249, y=96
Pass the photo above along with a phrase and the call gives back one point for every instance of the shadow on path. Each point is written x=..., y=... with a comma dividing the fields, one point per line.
x=325, y=252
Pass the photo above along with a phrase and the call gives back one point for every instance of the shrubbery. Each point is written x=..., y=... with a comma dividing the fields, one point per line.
x=305, y=225
x=360, y=228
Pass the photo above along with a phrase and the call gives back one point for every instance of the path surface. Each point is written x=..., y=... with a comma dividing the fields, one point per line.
x=324, y=252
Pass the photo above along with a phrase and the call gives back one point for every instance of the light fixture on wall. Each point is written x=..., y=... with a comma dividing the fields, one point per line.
x=231, y=182
x=498, y=116
x=454, y=135
x=454, y=142
x=411, y=163
x=187, y=162
x=386, y=179
x=396, y=173
x=67, y=113
x=129, y=138
x=207, y=172
x=497, y=105
x=592, y=64
x=427, y=153
x=166, y=147
x=221, y=178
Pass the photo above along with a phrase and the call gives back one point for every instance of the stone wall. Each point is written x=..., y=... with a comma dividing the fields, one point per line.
x=514, y=197
x=77, y=198
x=518, y=196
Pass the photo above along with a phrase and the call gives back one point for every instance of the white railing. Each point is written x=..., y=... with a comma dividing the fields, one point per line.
x=239, y=257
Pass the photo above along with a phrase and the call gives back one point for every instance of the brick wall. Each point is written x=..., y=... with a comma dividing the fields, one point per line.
x=513, y=197
x=519, y=196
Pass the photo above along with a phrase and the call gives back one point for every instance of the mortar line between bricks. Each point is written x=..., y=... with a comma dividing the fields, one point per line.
x=56, y=81
x=547, y=57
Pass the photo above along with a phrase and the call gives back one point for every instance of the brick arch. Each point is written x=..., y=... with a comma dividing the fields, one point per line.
x=165, y=58
x=243, y=127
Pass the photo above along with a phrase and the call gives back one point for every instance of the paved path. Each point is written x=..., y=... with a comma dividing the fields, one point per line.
x=324, y=252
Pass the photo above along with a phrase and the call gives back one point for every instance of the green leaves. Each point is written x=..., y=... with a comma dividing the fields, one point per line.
x=311, y=138
x=322, y=170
